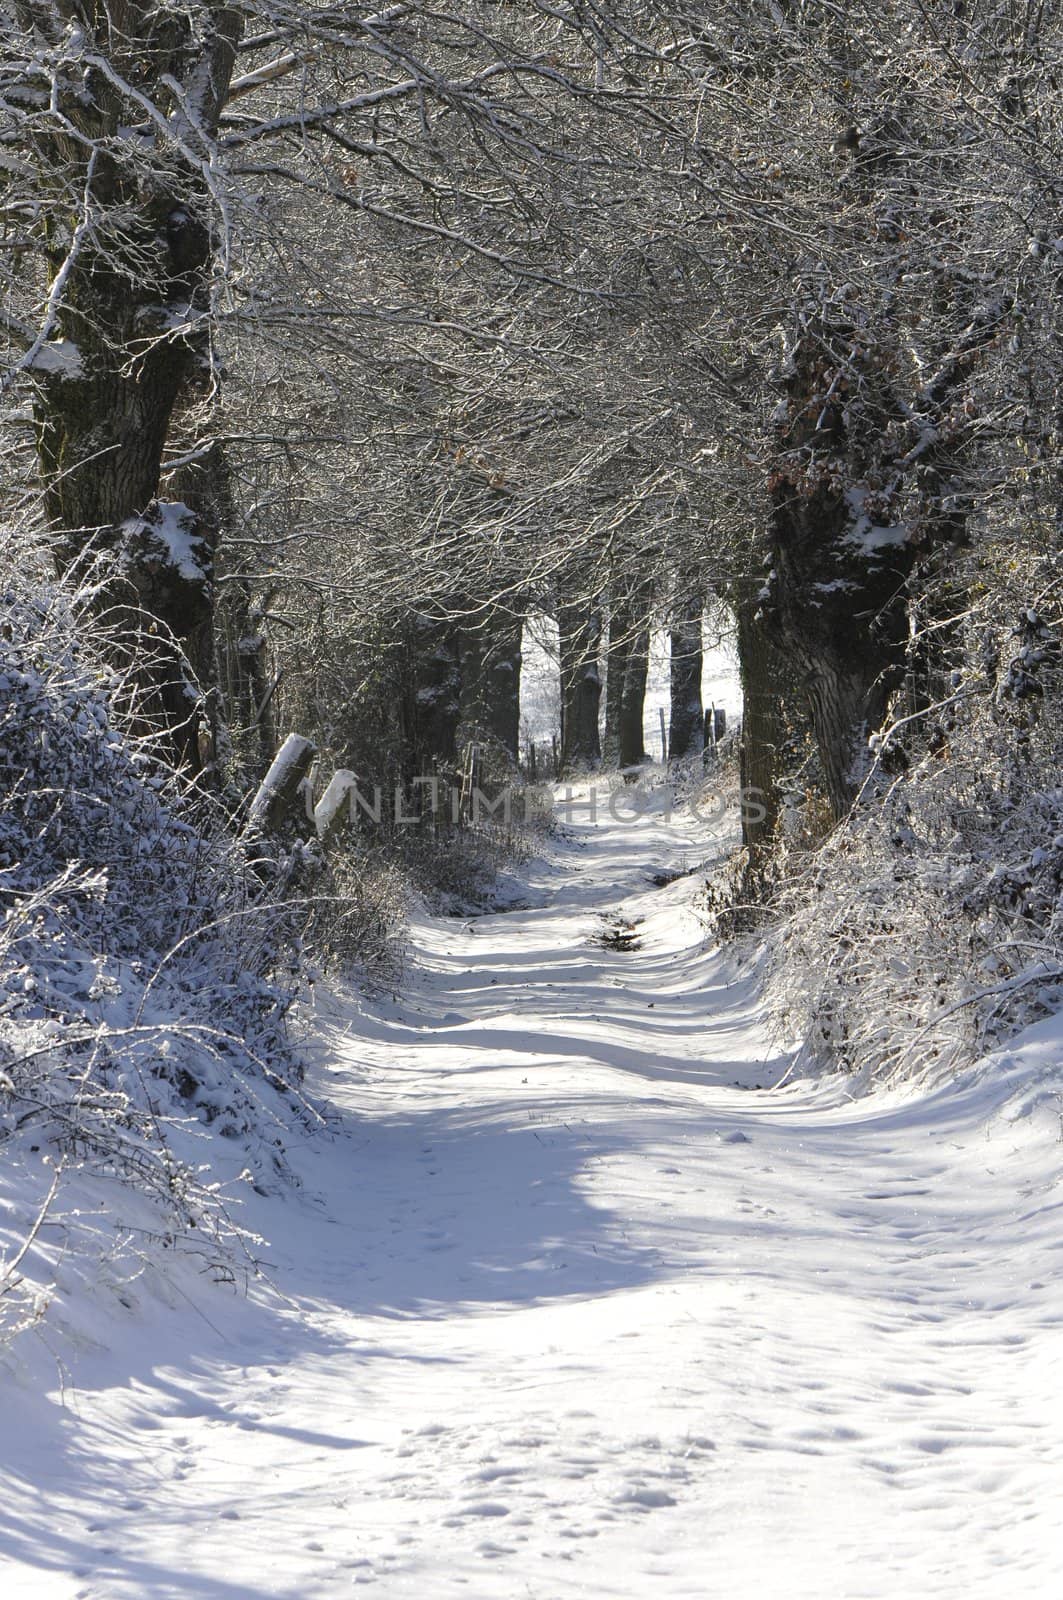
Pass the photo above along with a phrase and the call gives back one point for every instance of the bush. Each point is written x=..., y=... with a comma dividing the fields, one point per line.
x=457, y=869
x=357, y=916
x=144, y=975
x=930, y=925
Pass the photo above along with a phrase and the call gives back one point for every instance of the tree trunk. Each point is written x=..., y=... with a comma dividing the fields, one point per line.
x=579, y=627
x=204, y=485
x=762, y=735
x=848, y=642
x=490, y=682
x=132, y=296
x=686, y=727
x=863, y=488
x=840, y=558
x=432, y=724
x=627, y=663
x=632, y=750
x=840, y=615
x=245, y=690
x=616, y=657
x=101, y=448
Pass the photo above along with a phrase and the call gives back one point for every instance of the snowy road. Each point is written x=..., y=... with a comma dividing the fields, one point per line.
x=573, y=1310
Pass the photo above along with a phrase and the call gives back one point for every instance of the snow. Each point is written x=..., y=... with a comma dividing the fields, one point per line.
x=293, y=753
x=179, y=313
x=870, y=540
x=834, y=586
x=169, y=526
x=58, y=358
x=337, y=794
x=572, y=1302
x=865, y=535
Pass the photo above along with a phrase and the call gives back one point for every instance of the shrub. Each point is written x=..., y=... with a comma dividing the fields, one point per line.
x=145, y=979
x=930, y=925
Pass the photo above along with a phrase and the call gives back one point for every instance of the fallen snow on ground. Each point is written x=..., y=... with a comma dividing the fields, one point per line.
x=570, y=1305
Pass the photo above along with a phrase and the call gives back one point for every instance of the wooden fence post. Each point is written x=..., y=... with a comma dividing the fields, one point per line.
x=278, y=792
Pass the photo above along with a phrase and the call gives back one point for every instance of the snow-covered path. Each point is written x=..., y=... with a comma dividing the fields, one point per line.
x=572, y=1310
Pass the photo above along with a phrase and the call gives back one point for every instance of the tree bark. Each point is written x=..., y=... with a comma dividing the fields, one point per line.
x=490, y=651
x=616, y=656
x=863, y=489
x=686, y=725
x=761, y=737
x=435, y=711
x=632, y=750
x=130, y=272
x=840, y=558
x=627, y=664
x=579, y=627
x=245, y=700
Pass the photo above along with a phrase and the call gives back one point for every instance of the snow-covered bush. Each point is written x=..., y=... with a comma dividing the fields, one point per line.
x=143, y=976
x=930, y=924
x=458, y=870
x=357, y=915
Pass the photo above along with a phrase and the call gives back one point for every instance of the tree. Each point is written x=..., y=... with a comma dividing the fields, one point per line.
x=627, y=664
x=115, y=111
x=150, y=172
x=490, y=681
x=579, y=628
x=686, y=725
